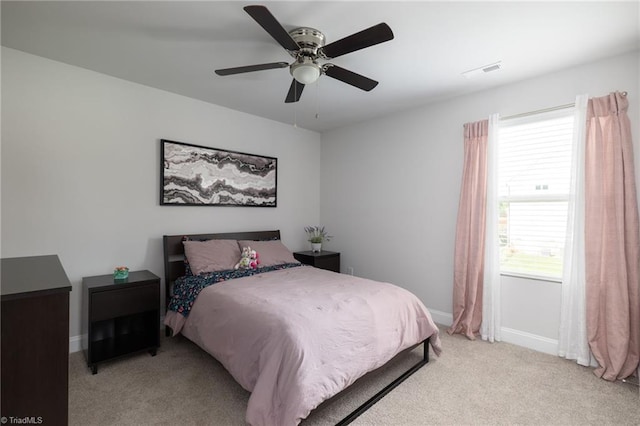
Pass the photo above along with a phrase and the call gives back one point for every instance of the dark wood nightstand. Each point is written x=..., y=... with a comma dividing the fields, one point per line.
x=329, y=260
x=120, y=318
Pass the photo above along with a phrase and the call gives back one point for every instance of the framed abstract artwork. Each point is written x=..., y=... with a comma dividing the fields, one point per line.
x=194, y=175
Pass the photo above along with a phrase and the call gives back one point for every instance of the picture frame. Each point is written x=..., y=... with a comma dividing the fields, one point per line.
x=195, y=175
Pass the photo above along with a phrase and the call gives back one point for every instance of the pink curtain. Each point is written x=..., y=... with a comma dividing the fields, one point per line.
x=612, y=239
x=470, y=233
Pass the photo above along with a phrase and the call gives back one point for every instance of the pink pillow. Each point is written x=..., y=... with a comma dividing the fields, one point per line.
x=270, y=252
x=211, y=255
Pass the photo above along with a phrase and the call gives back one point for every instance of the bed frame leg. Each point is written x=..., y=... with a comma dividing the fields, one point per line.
x=425, y=349
x=391, y=386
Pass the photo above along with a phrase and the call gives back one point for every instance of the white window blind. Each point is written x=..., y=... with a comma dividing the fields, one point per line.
x=534, y=163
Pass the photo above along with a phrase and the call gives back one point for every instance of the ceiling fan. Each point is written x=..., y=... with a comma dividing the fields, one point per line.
x=307, y=46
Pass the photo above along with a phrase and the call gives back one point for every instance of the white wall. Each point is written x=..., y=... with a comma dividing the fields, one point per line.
x=390, y=189
x=81, y=164
x=80, y=178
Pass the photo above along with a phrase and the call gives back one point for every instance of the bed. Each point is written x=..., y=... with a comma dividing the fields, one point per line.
x=291, y=334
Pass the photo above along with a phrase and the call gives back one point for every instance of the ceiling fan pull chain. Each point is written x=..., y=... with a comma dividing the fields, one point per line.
x=295, y=108
x=317, y=99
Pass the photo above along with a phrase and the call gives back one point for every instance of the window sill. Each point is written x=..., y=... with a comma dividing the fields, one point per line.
x=531, y=277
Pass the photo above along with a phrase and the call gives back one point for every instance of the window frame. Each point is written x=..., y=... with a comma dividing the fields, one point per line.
x=567, y=112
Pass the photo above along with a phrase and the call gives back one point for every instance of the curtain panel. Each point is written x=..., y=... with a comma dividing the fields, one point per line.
x=572, y=336
x=470, y=233
x=492, y=282
x=612, y=239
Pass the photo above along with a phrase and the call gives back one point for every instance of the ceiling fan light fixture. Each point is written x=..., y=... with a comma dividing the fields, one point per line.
x=305, y=72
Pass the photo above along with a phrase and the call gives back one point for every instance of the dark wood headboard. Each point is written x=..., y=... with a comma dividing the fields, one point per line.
x=174, y=251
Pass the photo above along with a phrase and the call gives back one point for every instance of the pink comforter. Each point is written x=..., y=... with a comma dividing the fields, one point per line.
x=296, y=337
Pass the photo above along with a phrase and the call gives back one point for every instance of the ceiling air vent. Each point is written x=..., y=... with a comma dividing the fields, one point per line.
x=482, y=70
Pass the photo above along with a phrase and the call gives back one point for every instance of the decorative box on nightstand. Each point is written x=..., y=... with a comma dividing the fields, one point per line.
x=329, y=260
x=120, y=317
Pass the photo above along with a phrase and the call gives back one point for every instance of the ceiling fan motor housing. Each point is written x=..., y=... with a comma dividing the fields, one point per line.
x=305, y=69
x=309, y=40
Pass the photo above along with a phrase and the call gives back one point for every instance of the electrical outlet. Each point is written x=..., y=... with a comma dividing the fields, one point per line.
x=350, y=270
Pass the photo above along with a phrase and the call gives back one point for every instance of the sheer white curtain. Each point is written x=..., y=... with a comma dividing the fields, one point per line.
x=572, y=342
x=491, y=324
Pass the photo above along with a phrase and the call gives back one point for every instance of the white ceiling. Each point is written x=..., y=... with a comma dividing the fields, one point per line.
x=176, y=46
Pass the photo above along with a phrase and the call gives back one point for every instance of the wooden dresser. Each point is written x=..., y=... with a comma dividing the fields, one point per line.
x=34, y=367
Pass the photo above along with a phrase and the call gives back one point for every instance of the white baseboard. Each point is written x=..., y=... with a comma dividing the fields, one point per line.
x=442, y=318
x=75, y=343
x=509, y=335
x=531, y=341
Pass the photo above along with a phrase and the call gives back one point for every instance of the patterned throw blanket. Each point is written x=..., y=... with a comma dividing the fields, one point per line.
x=187, y=288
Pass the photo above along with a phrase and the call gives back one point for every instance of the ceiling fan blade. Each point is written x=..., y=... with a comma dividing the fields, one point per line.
x=294, y=92
x=365, y=38
x=350, y=77
x=251, y=68
x=271, y=25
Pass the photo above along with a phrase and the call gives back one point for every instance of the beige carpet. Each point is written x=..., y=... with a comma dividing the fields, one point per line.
x=472, y=383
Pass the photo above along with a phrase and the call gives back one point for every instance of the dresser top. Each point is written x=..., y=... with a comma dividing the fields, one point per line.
x=23, y=275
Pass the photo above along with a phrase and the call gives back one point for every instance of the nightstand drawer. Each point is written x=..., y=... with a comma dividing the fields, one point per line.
x=330, y=263
x=114, y=303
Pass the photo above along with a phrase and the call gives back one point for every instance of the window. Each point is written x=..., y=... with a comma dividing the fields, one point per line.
x=534, y=165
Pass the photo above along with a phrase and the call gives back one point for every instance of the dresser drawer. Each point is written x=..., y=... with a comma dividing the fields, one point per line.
x=114, y=303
